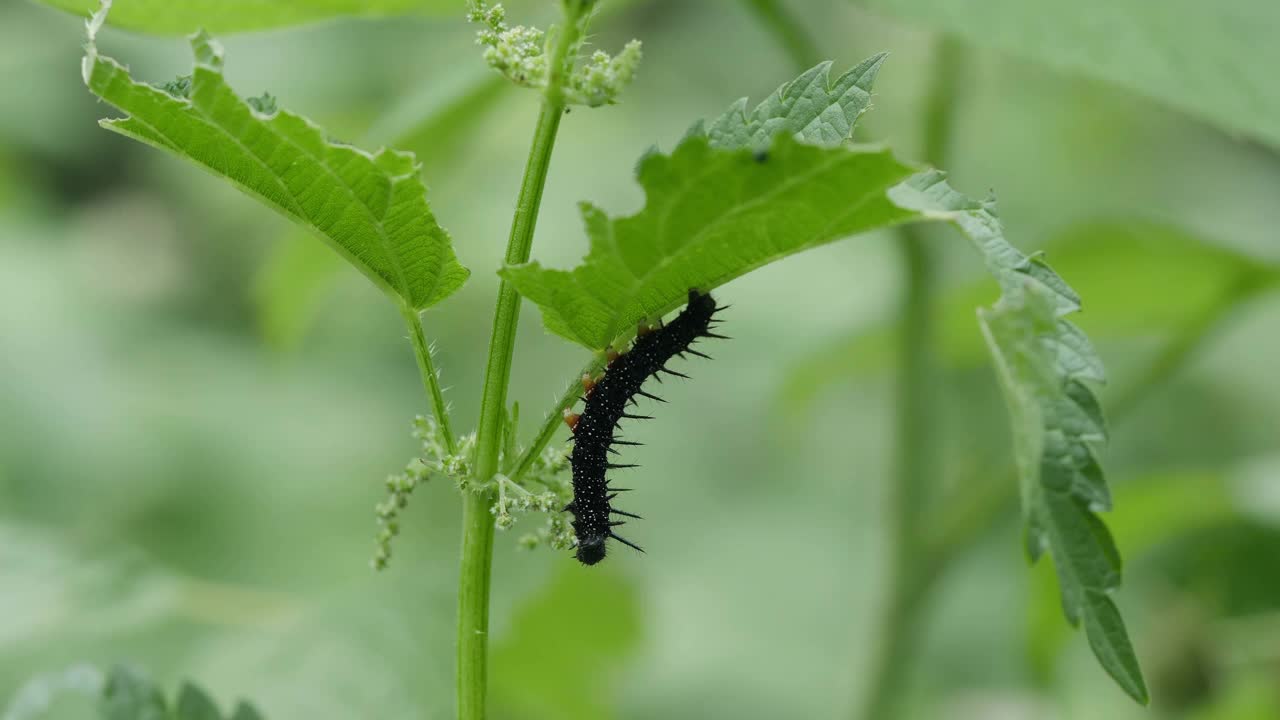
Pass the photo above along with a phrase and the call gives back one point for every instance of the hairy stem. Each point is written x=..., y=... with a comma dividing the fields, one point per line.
x=552, y=421
x=477, y=521
x=917, y=444
x=430, y=378
x=787, y=31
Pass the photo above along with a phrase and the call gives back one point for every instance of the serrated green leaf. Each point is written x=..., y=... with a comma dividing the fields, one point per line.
x=811, y=108
x=1054, y=423
x=1043, y=364
x=719, y=206
x=1150, y=511
x=181, y=17
x=194, y=704
x=371, y=208
x=128, y=695
x=1214, y=60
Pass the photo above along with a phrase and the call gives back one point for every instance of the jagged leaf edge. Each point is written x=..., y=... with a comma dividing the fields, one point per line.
x=736, y=130
x=1064, y=490
x=209, y=57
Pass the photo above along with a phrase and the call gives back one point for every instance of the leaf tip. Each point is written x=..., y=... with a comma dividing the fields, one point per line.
x=870, y=67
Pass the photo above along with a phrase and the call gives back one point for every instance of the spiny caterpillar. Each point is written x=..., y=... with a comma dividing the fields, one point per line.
x=606, y=406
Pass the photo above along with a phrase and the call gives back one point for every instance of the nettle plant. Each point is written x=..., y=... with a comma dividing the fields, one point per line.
x=740, y=191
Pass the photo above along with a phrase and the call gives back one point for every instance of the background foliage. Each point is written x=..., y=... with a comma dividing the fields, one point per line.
x=198, y=409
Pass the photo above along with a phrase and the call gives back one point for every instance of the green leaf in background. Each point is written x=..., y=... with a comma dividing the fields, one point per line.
x=720, y=206
x=194, y=704
x=1043, y=363
x=565, y=648
x=1128, y=296
x=1252, y=697
x=372, y=209
x=180, y=17
x=1214, y=61
x=290, y=286
x=245, y=711
x=128, y=695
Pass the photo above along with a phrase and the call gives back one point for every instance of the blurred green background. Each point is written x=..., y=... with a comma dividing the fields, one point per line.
x=198, y=407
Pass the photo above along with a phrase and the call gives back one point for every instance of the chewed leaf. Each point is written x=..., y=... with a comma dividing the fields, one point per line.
x=370, y=208
x=725, y=202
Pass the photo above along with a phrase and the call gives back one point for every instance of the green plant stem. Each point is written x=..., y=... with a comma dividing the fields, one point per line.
x=787, y=30
x=916, y=451
x=477, y=521
x=552, y=421
x=918, y=444
x=430, y=378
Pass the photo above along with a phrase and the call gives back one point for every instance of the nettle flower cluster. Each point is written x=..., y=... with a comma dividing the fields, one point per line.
x=523, y=55
x=545, y=488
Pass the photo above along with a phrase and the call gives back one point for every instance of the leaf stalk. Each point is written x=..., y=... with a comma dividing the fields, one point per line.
x=551, y=423
x=430, y=377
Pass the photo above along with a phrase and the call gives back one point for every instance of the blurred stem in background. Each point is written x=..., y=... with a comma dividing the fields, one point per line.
x=477, y=521
x=917, y=403
x=788, y=31
x=919, y=398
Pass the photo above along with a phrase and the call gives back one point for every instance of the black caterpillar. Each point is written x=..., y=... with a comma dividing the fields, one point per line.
x=606, y=405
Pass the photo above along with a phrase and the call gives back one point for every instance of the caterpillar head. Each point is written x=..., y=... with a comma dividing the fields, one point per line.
x=591, y=549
